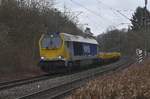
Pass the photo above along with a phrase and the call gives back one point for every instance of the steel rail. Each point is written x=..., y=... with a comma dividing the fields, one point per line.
x=60, y=90
x=19, y=82
x=82, y=83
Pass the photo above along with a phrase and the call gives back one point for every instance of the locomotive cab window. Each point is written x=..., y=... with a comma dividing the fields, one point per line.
x=51, y=41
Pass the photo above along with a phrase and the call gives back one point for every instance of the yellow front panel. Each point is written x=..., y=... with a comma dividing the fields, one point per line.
x=53, y=54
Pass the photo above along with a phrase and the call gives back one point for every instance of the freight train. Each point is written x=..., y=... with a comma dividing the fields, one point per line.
x=65, y=51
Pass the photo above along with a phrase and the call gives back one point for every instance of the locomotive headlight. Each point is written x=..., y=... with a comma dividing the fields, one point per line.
x=51, y=36
x=42, y=58
x=60, y=57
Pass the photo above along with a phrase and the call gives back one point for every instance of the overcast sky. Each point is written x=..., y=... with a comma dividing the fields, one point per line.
x=100, y=15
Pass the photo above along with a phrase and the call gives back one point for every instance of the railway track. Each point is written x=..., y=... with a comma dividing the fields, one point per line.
x=53, y=86
x=19, y=82
x=56, y=92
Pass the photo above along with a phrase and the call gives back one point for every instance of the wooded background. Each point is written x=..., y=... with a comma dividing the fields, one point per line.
x=128, y=40
x=21, y=24
x=23, y=21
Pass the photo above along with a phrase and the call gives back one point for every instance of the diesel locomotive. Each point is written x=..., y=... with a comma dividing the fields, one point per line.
x=62, y=50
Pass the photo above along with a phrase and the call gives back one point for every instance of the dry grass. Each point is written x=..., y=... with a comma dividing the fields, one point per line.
x=131, y=83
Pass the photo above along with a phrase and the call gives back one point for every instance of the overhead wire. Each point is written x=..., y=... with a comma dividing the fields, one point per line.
x=96, y=23
x=115, y=11
x=89, y=10
x=111, y=8
x=119, y=12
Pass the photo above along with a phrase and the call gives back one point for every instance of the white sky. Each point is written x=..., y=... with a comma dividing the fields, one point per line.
x=99, y=16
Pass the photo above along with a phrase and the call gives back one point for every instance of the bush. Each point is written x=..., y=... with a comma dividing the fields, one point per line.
x=131, y=83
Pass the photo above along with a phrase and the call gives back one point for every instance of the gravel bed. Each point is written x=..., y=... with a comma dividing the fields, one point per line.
x=22, y=90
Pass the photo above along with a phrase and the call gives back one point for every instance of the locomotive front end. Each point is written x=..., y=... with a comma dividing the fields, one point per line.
x=52, y=52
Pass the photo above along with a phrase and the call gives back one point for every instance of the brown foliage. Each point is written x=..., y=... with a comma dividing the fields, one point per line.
x=131, y=83
x=21, y=24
